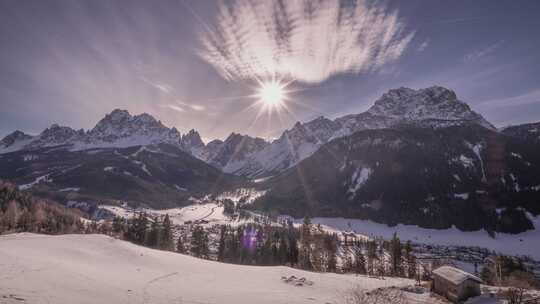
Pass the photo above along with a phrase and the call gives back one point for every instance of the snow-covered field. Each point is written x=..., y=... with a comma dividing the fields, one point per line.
x=526, y=243
x=211, y=212
x=71, y=269
x=522, y=244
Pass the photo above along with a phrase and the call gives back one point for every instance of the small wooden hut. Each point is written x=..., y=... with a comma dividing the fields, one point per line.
x=455, y=284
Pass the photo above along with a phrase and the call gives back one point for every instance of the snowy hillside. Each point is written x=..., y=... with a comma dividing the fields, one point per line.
x=98, y=269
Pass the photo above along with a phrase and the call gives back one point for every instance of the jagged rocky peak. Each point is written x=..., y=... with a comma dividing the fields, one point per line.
x=192, y=139
x=121, y=124
x=318, y=129
x=14, y=137
x=433, y=103
x=56, y=134
x=236, y=148
x=120, y=119
x=215, y=143
x=118, y=115
x=242, y=144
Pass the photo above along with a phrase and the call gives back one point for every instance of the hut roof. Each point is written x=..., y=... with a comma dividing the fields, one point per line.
x=455, y=275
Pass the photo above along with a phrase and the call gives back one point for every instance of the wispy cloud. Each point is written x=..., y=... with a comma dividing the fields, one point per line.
x=173, y=107
x=180, y=106
x=163, y=87
x=423, y=45
x=531, y=97
x=305, y=40
x=192, y=106
x=483, y=53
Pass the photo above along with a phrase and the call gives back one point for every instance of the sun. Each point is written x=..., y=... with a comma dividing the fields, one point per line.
x=272, y=93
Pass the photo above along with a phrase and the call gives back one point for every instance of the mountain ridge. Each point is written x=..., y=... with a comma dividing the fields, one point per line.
x=255, y=157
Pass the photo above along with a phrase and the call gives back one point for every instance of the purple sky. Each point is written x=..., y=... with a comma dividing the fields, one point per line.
x=71, y=62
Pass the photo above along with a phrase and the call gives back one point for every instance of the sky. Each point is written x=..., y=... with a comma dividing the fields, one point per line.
x=199, y=64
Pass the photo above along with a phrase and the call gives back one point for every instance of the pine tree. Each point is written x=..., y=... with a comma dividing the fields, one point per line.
x=304, y=256
x=199, y=242
x=167, y=242
x=222, y=243
x=137, y=229
x=118, y=225
x=372, y=256
x=331, y=244
x=180, y=245
x=410, y=260
x=293, y=252
x=359, y=262
x=395, y=256
x=282, y=250
x=154, y=235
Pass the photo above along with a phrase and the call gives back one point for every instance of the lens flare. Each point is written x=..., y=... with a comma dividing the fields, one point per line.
x=272, y=93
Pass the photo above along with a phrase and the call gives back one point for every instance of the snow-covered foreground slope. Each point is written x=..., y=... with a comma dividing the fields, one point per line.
x=99, y=269
x=526, y=243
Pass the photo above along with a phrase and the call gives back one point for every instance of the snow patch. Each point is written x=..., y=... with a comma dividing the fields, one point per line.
x=463, y=196
x=242, y=195
x=359, y=178
x=517, y=188
x=43, y=178
x=70, y=189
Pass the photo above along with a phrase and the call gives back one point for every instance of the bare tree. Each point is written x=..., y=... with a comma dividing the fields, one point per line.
x=11, y=215
x=514, y=295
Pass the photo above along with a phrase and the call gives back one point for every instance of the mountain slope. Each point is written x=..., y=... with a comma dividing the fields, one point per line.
x=529, y=131
x=157, y=175
x=434, y=107
x=467, y=176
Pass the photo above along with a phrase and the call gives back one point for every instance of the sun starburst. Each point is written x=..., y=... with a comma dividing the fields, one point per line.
x=272, y=94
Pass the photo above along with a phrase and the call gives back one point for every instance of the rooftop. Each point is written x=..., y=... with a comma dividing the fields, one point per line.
x=455, y=275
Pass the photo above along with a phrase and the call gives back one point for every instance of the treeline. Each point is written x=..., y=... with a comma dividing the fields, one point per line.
x=306, y=247
x=153, y=232
x=311, y=248
x=21, y=212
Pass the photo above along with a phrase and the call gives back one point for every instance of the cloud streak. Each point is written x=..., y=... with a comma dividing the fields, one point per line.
x=482, y=53
x=531, y=97
x=308, y=41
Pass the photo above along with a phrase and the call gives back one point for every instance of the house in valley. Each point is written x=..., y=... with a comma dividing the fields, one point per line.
x=455, y=284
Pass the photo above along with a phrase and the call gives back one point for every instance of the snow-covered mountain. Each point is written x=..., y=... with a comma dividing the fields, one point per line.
x=467, y=176
x=234, y=151
x=14, y=141
x=432, y=107
x=120, y=129
x=254, y=157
